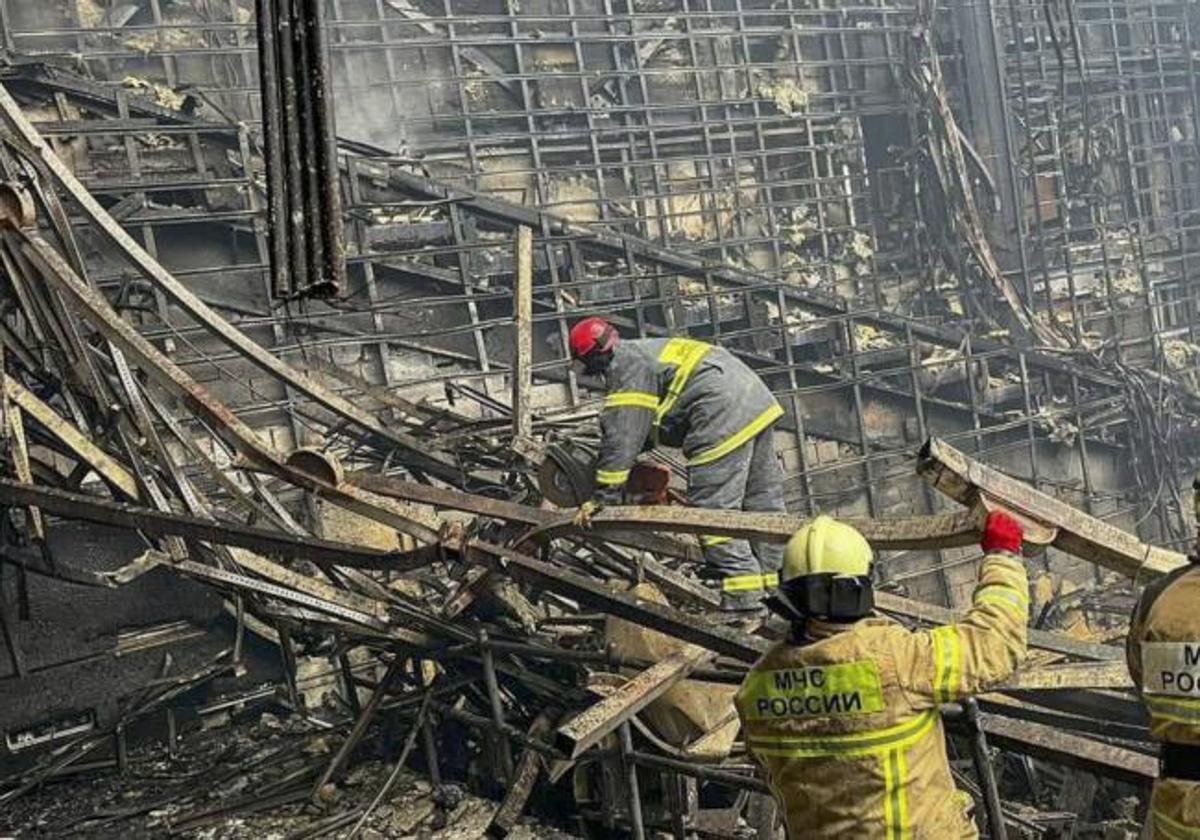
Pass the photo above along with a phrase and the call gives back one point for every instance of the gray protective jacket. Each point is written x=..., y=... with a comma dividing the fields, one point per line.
x=679, y=392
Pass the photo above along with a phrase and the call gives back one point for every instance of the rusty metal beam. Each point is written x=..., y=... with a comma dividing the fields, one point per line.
x=338, y=607
x=590, y=726
x=941, y=530
x=69, y=436
x=968, y=481
x=522, y=370
x=451, y=499
x=528, y=766
x=1090, y=725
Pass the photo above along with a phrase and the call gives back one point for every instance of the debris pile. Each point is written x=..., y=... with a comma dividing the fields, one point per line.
x=497, y=648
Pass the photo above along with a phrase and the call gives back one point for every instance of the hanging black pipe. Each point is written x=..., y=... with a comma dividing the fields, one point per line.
x=314, y=241
x=300, y=143
x=297, y=223
x=273, y=154
x=327, y=150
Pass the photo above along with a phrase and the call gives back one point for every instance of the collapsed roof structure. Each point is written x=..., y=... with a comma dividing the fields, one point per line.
x=973, y=223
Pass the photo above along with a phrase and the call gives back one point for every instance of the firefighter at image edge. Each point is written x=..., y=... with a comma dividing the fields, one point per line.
x=701, y=398
x=843, y=715
x=1163, y=653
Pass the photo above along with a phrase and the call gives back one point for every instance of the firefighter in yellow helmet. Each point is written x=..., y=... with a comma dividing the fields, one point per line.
x=1163, y=653
x=843, y=716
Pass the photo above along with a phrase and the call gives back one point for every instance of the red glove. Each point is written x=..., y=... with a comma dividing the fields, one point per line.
x=1001, y=533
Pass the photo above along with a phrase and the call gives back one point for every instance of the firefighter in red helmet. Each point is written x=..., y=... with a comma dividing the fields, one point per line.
x=701, y=398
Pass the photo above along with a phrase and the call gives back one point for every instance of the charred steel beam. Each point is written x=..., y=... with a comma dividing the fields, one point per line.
x=500, y=509
x=420, y=453
x=1090, y=725
x=719, y=639
x=76, y=441
x=82, y=506
x=942, y=530
x=968, y=481
x=333, y=606
x=528, y=767
x=1042, y=639
x=939, y=530
x=1070, y=750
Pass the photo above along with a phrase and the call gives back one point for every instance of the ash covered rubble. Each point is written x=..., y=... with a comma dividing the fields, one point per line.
x=444, y=682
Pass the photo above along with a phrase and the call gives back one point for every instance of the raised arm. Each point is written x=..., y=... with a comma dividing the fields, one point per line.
x=987, y=645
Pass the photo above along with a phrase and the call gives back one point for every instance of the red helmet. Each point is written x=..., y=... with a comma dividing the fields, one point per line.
x=592, y=334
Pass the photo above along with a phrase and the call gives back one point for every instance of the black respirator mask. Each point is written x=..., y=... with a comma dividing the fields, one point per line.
x=596, y=363
x=827, y=597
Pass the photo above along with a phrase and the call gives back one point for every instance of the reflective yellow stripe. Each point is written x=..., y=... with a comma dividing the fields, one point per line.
x=770, y=580
x=631, y=399
x=1017, y=609
x=742, y=583
x=946, y=663
x=610, y=477
x=895, y=795
x=685, y=353
x=1006, y=596
x=898, y=737
x=1172, y=829
x=1011, y=592
x=738, y=438
x=709, y=541
x=1173, y=709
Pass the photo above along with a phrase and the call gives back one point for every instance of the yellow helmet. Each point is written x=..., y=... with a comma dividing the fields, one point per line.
x=826, y=546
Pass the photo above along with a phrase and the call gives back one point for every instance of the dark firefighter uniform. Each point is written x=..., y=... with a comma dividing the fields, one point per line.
x=843, y=717
x=1163, y=652
x=701, y=398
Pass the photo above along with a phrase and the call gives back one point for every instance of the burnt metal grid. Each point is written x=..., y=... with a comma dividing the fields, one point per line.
x=1108, y=157
x=828, y=363
x=690, y=149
